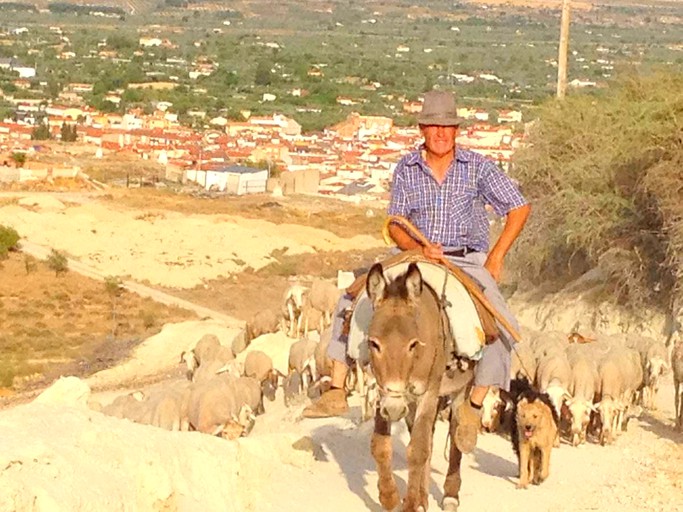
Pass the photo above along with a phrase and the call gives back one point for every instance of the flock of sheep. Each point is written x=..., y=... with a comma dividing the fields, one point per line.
x=595, y=385
x=225, y=387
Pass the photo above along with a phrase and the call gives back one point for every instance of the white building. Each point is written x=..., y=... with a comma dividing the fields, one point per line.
x=236, y=179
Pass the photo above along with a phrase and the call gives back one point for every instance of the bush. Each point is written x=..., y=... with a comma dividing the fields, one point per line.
x=58, y=262
x=603, y=175
x=9, y=238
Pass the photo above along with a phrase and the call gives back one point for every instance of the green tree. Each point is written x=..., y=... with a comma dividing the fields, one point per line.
x=58, y=262
x=68, y=133
x=19, y=159
x=9, y=238
x=263, y=75
x=41, y=132
x=114, y=289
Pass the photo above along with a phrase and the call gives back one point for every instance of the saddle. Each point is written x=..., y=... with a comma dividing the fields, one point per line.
x=468, y=325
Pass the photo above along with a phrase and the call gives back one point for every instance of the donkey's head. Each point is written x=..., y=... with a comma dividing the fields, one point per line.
x=403, y=338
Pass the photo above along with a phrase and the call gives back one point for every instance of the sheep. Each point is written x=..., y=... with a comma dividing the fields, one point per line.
x=208, y=348
x=222, y=360
x=492, y=409
x=312, y=318
x=553, y=377
x=324, y=297
x=216, y=407
x=302, y=361
x=263, y=322
x=655, y=358
x=323, y=363
x=292, y=305
x=259, y=366
x=523, y=362
x=551, y=343
x=610, y=390
x=582, y=388
x=130, y=406
x=168, y=408
x=630, y=365
x=677, y=368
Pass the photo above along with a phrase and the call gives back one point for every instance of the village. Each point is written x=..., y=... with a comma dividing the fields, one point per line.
x=354, y=158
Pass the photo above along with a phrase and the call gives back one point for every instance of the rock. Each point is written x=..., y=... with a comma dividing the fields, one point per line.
x=70, y=391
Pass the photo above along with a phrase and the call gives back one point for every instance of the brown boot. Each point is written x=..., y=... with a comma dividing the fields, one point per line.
x=469, y=423
x=331, y=403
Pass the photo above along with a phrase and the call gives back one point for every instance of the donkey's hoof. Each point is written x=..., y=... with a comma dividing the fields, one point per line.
x=450, y=504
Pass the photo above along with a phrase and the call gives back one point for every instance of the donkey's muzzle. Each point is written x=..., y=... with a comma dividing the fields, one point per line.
x=393, y=408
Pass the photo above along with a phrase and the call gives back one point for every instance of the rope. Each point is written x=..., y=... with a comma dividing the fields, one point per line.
x=466, y=280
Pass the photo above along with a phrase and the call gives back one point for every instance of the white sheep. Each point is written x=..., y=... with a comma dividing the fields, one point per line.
x=324, y=297
x=292, y=305
x=262, y=322
x=302, y=361
x=583, y=388
x=216, y=407
x=259, y=365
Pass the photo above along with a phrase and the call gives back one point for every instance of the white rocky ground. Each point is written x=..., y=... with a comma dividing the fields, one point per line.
x=58, y=455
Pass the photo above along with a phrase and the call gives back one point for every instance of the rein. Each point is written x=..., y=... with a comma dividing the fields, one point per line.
x=466, y=280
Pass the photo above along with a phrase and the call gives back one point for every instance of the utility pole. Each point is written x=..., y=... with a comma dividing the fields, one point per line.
x=564, y=44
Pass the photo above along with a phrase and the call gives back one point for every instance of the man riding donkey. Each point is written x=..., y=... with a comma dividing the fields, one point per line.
x=443, y=190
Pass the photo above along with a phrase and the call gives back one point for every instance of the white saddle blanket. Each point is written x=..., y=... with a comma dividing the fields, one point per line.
x=461, y=312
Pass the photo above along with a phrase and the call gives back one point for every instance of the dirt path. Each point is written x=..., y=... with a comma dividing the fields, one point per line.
x=642, y=471
x=41, y=252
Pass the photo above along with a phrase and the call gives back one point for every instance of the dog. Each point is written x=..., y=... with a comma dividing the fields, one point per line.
x=533, y=431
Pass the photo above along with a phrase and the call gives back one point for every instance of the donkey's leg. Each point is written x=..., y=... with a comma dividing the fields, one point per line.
x=381, y=449
x=419, y=451
x=451, y=488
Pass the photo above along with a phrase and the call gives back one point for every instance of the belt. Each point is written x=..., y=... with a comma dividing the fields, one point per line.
x=460, y=252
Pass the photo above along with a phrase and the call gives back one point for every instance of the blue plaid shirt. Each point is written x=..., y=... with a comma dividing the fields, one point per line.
x=453, y=213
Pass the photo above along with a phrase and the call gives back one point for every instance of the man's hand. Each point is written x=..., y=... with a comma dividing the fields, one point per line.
x=494, y=264
x=433, y=252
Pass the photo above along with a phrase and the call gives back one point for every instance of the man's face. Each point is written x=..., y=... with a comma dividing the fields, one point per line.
x=439, y=140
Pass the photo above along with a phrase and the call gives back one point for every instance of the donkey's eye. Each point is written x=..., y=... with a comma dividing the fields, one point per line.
x=413, y=344
x=374, y=344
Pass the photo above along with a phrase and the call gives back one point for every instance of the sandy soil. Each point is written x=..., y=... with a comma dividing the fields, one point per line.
x=136, y=467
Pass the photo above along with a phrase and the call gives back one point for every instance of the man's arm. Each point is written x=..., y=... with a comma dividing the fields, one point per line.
x=514, y=223
x=405, y=242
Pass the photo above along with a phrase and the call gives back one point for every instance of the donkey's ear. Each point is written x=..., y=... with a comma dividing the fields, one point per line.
x=376, y=284
x=413, y=282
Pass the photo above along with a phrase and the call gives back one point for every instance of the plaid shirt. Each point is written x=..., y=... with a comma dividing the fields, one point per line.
x=453, y=213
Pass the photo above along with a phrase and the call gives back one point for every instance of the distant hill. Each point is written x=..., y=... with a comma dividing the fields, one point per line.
x=144, y=6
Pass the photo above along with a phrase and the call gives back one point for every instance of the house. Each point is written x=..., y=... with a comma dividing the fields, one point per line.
x=235, y=179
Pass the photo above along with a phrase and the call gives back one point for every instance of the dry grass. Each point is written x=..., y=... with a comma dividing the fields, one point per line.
x=341, y=218
x=63, y=324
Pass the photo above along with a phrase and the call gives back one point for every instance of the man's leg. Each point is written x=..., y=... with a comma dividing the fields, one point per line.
x=493, y=369
x=333, y=401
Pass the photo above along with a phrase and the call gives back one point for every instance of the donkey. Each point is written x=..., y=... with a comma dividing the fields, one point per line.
x=408, y=359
